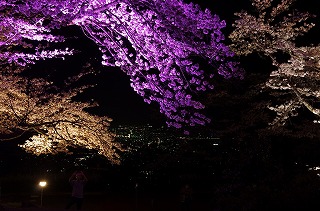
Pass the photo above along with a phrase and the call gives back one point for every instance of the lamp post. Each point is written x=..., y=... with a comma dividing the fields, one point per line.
x=42, y=184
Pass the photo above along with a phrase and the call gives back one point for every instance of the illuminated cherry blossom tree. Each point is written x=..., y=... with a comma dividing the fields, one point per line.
x=161, y=45
x=54, y=121
x=15, y=33
x=273, y=31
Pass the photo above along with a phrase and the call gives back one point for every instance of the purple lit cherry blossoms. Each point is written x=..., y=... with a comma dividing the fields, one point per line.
x=157, y=43
x=15, y=33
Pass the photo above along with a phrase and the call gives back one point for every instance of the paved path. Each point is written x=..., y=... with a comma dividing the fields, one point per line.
x=99, y=202
x=103, y=202
x=30, y=209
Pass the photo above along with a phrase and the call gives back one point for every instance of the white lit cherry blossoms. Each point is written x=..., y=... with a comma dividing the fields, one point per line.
x=54, y=121
x=274, y=30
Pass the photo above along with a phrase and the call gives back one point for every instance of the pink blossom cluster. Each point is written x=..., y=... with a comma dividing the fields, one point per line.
x=20, y=34
x=157, y=43
x=24, y=59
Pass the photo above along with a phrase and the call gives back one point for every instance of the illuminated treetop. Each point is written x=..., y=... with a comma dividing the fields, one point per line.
x=159, y=44
x=272, y=31
x=54, y=121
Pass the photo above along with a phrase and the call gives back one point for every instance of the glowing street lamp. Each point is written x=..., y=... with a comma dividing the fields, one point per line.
x=42, y=184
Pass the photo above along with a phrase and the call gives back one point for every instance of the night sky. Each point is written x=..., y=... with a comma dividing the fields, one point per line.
x=112, y=88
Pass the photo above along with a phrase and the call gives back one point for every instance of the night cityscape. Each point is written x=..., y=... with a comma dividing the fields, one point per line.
x=159, y=105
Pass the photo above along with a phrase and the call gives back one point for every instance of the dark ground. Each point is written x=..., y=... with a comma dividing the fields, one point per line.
x=99, y=201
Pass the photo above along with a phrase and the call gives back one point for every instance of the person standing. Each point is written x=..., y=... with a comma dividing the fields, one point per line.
x=185, y=198
x=77, y=180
